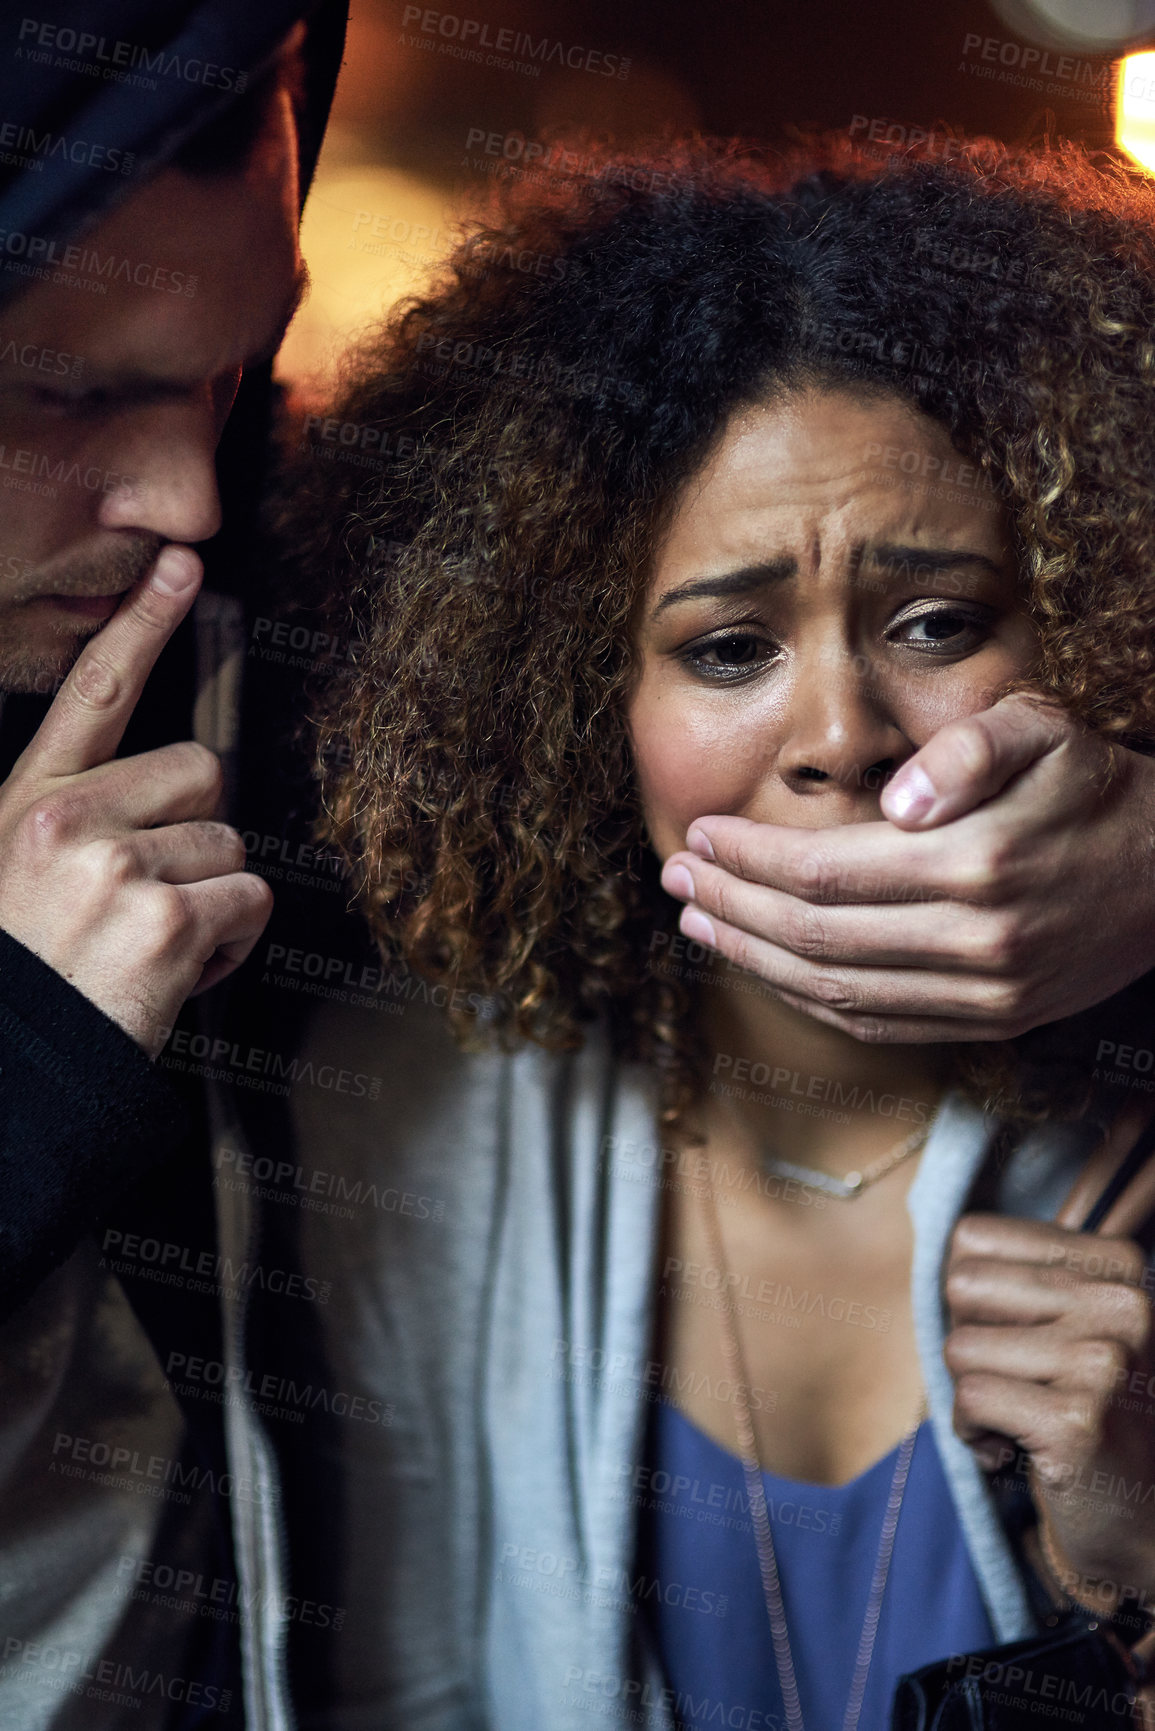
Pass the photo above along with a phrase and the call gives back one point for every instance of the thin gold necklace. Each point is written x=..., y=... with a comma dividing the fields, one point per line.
x=760, y=1516
x=853, y=1182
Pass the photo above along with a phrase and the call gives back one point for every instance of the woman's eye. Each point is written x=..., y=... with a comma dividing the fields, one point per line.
x=733, y=652
x=941, y=628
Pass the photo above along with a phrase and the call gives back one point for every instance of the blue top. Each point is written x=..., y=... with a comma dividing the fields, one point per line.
x=698, y=1585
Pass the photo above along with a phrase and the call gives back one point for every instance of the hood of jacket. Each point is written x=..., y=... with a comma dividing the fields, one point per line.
x=99, y=94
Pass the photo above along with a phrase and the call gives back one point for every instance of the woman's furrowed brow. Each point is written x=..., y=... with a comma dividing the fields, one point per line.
x=741, y=582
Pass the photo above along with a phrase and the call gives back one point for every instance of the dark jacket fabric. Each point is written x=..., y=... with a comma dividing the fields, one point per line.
x=83, y=1114
x=81, y=1108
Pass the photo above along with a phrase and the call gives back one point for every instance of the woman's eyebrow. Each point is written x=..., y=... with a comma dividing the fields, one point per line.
x=927, y=559
x=740, y=582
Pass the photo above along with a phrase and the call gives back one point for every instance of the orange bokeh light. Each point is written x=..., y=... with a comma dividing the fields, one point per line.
x=1135, y=108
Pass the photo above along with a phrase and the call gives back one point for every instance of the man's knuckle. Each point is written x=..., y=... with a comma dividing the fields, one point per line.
x=959, y=1349
x=1132, y=1261
x=111, y=861
x=200, y=769
x=1130, y=1313
x=1100, y=1362
x=962, y=1281
x=741, y=862
x=1080, y=1421
x=969, y=1238
x=973, y=749
x=1006, y=1000
x=259, y=893
x=718, y=895
x=224, y=844
x=970, y=880
x=167, y=924
x=1133, y=1252
x=834, y=992
x=1000, y=945
x=1003, y=856
x=805, y=932
x=234, y=847
x=871, y=1030
x=95, y=683
x=256, y=898
x=984, y=872
x=968, y=1394
x=48, y=823
x=148, y=610
x=740, y=952
x=817, y=876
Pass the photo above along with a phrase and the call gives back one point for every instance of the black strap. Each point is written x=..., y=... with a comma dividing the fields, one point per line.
x=1130, y=1166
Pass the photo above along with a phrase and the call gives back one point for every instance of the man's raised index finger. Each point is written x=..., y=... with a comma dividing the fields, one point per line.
x=92, y=708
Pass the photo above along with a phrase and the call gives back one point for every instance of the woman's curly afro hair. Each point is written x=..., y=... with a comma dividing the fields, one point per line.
x=542, y=406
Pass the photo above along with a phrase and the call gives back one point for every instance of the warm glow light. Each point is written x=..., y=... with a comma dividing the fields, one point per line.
x=1135, y=108
x=371, y=234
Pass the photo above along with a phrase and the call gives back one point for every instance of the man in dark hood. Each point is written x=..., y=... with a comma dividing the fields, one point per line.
x=152, y=162
x=153, y=159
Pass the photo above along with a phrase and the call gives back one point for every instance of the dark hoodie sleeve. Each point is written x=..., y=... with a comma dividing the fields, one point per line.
x=82, y=1113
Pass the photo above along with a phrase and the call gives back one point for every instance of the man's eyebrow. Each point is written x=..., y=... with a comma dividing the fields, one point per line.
x=741, y=582
x=132, y=382
x=928, y=559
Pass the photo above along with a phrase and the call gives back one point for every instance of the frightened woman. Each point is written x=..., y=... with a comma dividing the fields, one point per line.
x=738, y=1367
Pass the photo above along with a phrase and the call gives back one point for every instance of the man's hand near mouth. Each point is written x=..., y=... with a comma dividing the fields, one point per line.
x=115, y=871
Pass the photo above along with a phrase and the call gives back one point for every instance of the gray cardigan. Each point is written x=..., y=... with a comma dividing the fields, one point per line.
x=489, y=1228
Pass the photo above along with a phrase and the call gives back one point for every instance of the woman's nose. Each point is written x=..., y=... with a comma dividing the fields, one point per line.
x=843, y=742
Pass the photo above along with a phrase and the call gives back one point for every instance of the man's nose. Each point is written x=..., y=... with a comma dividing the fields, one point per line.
x=843, y=743
x=165, y=458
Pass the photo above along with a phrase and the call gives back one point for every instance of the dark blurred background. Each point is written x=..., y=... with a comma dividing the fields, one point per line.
x=435, y=102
